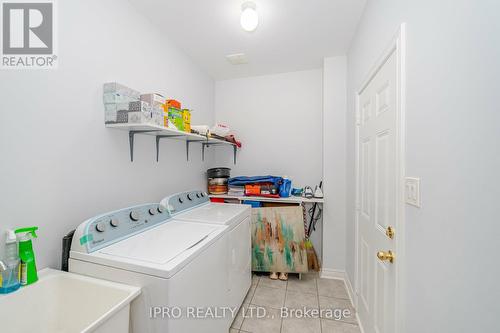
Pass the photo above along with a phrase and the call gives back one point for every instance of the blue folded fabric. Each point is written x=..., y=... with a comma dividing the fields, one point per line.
x=241, y=181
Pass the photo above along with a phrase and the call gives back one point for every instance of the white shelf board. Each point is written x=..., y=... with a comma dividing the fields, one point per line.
x=291, y=199
x=160, y=130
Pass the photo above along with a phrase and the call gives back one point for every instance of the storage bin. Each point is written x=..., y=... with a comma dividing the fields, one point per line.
x=254, y=204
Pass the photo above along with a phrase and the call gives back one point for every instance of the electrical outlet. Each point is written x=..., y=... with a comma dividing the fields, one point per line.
x=412, y=191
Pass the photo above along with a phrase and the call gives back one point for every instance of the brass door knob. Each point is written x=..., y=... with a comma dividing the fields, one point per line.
x=390, y=232
x=386, y=256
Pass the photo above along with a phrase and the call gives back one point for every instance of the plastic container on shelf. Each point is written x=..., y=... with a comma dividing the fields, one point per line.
x=285, y=187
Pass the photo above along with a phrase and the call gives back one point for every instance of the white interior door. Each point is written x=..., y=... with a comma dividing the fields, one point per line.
x=378, y=174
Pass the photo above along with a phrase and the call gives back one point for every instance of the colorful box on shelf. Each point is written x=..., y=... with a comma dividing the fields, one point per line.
x=175, y=119
x=186, y=119
x=172, y=103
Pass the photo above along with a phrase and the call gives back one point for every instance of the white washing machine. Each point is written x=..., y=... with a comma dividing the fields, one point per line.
x=195, y=207
x=181, y=267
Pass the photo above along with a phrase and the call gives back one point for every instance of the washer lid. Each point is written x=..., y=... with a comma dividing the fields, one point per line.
x=215, y=213
x=161, y=244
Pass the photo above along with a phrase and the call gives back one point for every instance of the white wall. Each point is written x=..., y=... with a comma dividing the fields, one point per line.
x=59, y=165
x=278, y=118
x=334, y=166
x=452, y=144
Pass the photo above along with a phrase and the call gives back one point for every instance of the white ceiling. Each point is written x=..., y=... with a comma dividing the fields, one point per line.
x=292, y=34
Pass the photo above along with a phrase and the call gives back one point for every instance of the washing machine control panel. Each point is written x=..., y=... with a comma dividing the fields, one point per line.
x=180, y=202
x=106, y=229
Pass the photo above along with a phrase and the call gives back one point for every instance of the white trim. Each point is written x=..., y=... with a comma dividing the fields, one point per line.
x=398, y=45
x=337, y=274
x=350, y=291
x=400, y=240
x=328, y=273
x=360, y=325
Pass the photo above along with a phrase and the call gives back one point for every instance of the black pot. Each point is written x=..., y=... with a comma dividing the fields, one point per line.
x=218, y=173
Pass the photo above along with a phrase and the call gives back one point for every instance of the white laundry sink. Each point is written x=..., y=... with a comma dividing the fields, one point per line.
x=67, y=302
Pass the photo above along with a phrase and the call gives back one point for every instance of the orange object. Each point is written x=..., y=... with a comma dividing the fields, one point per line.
x=173, y=103
x=252, y=189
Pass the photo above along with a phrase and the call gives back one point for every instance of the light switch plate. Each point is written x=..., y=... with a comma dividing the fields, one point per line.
x=412, y=191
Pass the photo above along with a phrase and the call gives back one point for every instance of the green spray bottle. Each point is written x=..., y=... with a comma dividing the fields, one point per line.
x=28, y=266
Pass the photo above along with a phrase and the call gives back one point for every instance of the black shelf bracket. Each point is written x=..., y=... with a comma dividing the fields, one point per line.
x=187, y=146
x=131, y=135
x=208, y=144
x=235, y=149
x=158, y=138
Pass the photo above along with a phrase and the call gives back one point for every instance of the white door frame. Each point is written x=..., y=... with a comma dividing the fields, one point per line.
x=396, y=46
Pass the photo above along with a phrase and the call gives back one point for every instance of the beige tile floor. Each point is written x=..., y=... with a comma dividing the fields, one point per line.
x=270, y=296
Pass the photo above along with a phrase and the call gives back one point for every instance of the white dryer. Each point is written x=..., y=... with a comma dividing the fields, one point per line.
x=181, y=267
x=195, y=207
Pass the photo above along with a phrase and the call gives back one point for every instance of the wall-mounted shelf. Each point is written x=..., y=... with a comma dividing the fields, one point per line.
x=160, y=132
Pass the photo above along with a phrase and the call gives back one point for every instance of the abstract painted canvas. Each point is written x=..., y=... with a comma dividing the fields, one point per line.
x=278, y=240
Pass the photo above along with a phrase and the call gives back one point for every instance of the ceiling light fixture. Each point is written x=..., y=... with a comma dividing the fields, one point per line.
x=249, y=17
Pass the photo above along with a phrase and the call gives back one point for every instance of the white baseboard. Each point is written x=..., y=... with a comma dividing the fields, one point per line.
x=361, y=329
x=350, y=290
x=337, y=274
x=328, y=273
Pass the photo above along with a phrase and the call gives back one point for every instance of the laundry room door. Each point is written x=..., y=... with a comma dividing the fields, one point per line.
x=378, y=181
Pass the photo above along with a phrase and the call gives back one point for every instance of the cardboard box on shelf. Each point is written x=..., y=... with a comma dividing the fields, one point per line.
x=139, y=117
x=122, y=117
x=115, y=88
x=139, y=106
x=175, y=119
x=113, y=98
x=153, y=99
x=186, y=118
x=172, y=103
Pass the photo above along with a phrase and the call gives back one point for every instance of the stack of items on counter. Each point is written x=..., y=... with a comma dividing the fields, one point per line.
x=123, y=105
x=259, y=186
x=217, y=180
x=263, y=186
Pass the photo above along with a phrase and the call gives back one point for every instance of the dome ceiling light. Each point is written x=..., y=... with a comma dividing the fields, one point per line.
x=249, y=17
